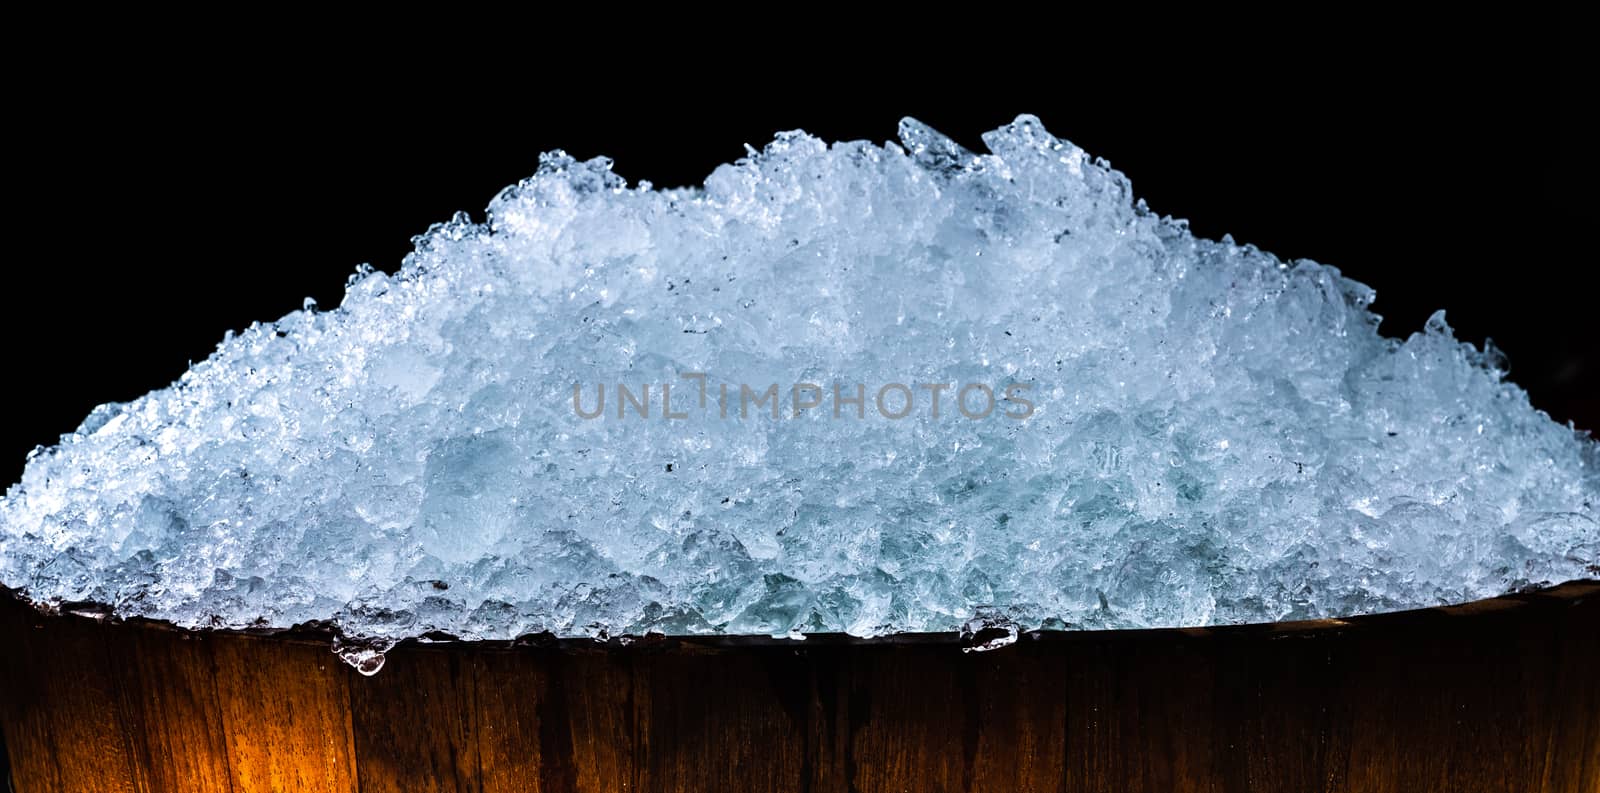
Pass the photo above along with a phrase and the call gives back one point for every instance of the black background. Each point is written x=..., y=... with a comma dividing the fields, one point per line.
x=178, y=191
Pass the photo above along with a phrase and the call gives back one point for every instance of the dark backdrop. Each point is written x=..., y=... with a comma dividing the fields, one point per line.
x=175, y=192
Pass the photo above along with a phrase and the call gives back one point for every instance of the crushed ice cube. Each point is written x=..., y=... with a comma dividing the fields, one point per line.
x=1135, y=428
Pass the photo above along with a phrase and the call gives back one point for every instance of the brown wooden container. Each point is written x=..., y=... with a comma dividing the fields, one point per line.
x=1499, y=695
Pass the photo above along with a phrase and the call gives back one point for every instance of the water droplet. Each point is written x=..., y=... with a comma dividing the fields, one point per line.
x=366, y=654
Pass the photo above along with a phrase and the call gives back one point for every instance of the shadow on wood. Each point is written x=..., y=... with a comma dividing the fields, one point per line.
x=1497, y=695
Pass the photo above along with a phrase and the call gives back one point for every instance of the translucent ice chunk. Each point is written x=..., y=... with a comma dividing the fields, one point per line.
x=1135, y=427
x=988, y=631
x=366, y=655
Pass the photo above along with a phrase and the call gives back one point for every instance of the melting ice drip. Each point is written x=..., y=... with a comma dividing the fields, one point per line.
x=1217, y=436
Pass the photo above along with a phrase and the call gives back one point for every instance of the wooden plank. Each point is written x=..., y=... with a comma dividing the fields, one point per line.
x=510, y=690
x=1136, y=715
x=1570, y=754
x=828, y=716
x=720, y=721
x=1271, y=692
x=286, y=716
x=1020, y=727
x=59, y=701
x=169, y=707
x=415, y=725
x=911, y=713
x=587, y=735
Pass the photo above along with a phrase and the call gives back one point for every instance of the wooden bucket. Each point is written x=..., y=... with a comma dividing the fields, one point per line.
x=1499, y=695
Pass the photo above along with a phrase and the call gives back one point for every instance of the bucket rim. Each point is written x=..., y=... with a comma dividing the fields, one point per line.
x=1568, y=593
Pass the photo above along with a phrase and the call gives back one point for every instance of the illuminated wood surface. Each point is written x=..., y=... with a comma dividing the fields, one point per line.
x=1500, y=695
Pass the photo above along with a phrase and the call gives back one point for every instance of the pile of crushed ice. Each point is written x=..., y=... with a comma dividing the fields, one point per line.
x=619, y=410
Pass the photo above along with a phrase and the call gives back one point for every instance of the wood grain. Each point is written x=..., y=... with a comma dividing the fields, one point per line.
x=1500, y=695
x=286, y=715
x=171, y=711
